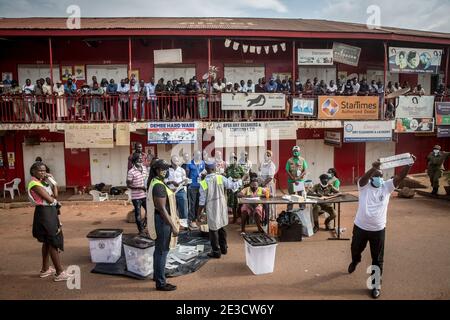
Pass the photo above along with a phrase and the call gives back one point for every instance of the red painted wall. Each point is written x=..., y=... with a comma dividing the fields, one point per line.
x=350, y=158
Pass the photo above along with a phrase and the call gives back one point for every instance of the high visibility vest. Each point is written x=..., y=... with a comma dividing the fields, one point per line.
x=204, y=185
x=248, y=191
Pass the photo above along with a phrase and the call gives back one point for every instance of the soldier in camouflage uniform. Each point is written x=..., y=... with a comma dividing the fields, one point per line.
x=435, y=161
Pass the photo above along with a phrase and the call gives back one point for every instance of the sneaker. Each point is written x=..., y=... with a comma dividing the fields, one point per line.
x=47, y=273
x=167, y=287
x=63, y=276
x=214, y=255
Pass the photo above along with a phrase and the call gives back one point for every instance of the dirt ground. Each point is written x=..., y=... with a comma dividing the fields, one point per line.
x=417, y=260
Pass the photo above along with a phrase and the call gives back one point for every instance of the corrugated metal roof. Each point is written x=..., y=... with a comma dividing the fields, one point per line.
x=295, y=25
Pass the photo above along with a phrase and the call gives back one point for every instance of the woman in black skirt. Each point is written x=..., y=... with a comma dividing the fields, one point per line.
x=46, y=226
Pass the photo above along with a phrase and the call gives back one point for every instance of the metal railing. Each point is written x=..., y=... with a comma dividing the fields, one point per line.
x=25, y=108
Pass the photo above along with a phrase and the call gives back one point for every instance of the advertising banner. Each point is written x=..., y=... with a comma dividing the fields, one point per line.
x=253, y=101
x=303, y=107
x=346, y=54
x=442, y=113
x=413, y=60
x=443, y=132
x=317, y=57
x=172, y=132
x=415, y=107
x=239, y=134
x=407, y=125
x=79, y=135
x=360, y=131
x=333, y=138
x=122, y=134
x=348, y=107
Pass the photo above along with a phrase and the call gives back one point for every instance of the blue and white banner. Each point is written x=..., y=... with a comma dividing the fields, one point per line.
x=303, y=107
x=360, y=131
x=172, y=132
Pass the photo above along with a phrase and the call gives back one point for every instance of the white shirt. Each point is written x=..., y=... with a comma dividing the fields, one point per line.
x=372, y=206
x=123, y=89
x=356, y=87
x=177, y=175
x=249, y=89
x=332, y=88
x=28, y=89
x=218, y=87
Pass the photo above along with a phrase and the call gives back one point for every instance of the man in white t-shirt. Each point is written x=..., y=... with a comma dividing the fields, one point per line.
x=177, y=176
x=370, y=221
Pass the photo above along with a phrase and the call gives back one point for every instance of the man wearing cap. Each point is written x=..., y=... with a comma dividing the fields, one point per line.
x=435, y=161
x=296, y=170
x=162, y=226
x=212, y=201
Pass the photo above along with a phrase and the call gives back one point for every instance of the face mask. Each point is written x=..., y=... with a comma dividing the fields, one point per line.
x=331, y=174
x=377, y=182
x=266, y=158
x=436, y=152
x=323, y=183
x=297, y=83
x=296, y=154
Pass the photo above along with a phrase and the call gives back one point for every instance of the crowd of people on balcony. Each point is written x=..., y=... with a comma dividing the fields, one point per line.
x=172, y=99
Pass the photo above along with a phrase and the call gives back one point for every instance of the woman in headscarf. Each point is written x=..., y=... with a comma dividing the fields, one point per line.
x=46, y=225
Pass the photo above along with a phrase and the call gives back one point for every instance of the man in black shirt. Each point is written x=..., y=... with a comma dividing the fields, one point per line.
x=163, y=223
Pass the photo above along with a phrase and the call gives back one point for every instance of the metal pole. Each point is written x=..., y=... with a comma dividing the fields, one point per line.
x=385, y=64
x=51, y=61
x=446, y=68
x=129, y=55
x=293, y=67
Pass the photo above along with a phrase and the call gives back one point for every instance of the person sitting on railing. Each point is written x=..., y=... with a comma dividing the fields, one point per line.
x=364, y=88
x=332, y=88
x=123, y=90
x=70, y=89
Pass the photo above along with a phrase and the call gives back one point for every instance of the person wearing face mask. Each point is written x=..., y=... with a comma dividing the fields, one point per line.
x=193, y=172
x=136, y=179
x=235, y=172
x=296, y=169
x=370, y=220
x=435, y=161
x=212, y=201
x=244, y=162
x=271, y=86
x=177, y=176
x=323, y=189
x=163, y=226
x=220, y=163
x=267, y=171
x=334, y=179
x=254, y=190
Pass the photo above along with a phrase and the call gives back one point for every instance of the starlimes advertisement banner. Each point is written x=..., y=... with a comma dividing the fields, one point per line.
x=348, y=107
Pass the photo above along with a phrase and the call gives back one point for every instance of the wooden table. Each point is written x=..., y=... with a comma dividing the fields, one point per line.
x=345, y=197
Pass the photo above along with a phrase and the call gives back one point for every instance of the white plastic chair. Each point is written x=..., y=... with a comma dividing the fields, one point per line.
x=99, y=196
x=11, y=186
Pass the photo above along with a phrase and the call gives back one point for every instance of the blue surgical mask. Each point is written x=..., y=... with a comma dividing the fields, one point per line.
x=377, y=182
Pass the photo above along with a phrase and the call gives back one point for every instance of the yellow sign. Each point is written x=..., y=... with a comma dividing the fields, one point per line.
x=348, y=107
x=122, y=134
x=78, y=135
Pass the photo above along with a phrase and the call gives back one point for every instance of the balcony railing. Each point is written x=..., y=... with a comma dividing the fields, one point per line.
x=133, y=107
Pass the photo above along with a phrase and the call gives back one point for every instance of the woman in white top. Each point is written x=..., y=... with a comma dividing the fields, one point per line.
x=267, y=172
x=177, y=176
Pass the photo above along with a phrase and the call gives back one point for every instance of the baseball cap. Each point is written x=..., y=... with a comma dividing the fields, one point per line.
x=161, y=164
x=296, y=148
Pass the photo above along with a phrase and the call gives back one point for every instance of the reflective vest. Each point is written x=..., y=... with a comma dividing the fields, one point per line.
x=248, y=191
x=204, y=185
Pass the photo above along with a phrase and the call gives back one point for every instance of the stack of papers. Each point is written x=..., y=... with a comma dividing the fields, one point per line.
x=253, y=198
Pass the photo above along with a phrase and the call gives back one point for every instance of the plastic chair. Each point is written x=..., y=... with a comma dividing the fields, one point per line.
x=98, y=196
x=11, y=186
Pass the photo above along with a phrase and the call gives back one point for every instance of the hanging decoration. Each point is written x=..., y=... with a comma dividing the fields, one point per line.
x=246, y=48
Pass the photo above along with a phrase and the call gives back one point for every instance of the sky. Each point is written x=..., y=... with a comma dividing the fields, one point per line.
x=428, y=15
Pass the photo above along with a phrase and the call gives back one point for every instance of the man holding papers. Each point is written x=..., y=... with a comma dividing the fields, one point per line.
x=296, y=170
